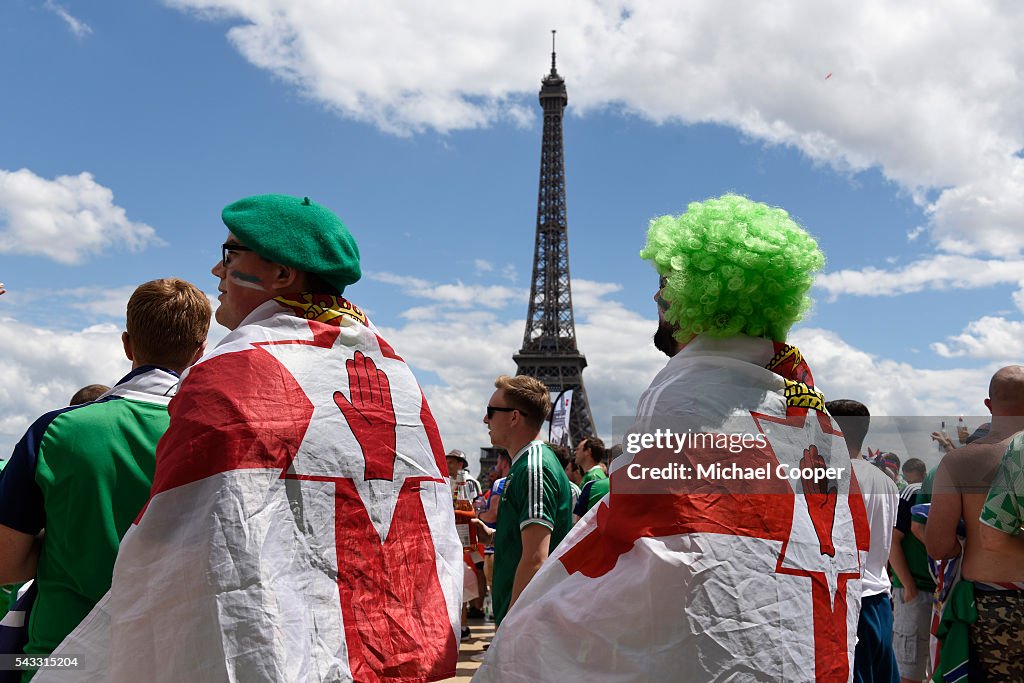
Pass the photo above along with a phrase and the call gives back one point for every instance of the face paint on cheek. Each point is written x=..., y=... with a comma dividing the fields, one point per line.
x=245, y=280
x=662, y=304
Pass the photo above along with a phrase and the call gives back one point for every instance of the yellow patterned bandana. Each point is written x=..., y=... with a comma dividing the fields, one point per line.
x=799, y=395
x=800, y=391
x=323, y=308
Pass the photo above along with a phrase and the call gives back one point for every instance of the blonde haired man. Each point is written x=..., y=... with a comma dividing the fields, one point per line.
x=536, y=504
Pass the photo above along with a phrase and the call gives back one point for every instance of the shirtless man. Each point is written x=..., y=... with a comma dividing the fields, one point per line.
x=961, y=485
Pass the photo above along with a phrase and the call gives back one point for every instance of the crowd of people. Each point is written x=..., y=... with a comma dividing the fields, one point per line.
x=281, y=507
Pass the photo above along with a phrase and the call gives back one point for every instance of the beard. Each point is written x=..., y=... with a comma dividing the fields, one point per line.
x=664, y=339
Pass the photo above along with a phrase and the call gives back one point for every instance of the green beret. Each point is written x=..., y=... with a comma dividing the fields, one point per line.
x=296, y=232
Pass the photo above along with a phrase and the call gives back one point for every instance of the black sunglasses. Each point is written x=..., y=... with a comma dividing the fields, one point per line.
x=229, y=247
x=491, y=410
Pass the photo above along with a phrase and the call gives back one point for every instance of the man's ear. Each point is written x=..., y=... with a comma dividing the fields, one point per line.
x=199, y=353
x=126, y=342
x=988, y=404
x=286, y=278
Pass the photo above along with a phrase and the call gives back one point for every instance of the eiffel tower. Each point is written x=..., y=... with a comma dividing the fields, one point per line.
x=549, y=350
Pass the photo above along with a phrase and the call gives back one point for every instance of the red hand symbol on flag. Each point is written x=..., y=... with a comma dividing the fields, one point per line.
x=370, y=415
x=821, y=500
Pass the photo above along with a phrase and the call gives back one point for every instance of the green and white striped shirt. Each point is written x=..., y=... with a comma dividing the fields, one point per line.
x=536, y=492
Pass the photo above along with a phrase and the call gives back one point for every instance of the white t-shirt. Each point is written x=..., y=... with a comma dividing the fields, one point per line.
x=881, y=500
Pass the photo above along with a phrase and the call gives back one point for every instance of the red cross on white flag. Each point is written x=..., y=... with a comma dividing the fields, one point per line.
x=299, y=523
x=704, y=576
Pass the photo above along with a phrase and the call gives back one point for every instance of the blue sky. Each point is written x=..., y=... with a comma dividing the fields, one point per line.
x=421, y=128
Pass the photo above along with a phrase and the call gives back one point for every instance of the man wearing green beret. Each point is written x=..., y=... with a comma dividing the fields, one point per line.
x=299, y=522
x=281, y=245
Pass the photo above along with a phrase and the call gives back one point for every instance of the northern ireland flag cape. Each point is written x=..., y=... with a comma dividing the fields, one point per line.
x=299, y=527
x=726, y=549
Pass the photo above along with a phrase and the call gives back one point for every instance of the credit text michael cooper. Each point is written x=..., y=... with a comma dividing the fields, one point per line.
x=732, y=471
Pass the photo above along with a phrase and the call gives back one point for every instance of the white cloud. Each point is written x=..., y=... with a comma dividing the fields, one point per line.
x=466, y=352
x=491, y=296
x=588, y=294
x=989, y=337
x=388, y=63
x=1018, y=298
x=406, y=282
x=76, y=26
x=929, y=93
x=217, y=331
x=66, y=219
x=485, y=267
x=97, y=302
x=466, y=346
x=621, y=359
x=892, y=389
x=94, y=304
x=985, y=213
x=41, y=368
x=453, y=294
x=468, y=349
x=938, y=272
x=886, y=386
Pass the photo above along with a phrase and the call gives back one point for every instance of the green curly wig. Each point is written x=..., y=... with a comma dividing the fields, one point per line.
x=733, y=266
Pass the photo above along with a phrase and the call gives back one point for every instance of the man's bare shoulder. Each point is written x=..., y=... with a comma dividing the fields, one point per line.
x=981, y=449
x=973, y=466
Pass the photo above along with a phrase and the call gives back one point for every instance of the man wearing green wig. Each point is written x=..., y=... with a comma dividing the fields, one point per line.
x=728, y=547
x=299, y=526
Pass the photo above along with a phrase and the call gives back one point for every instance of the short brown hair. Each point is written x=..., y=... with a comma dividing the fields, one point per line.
x=528, y=395
x=916, y=466
x=167, y=321
x=88, y=393
x=596, y=448
x=561, y=452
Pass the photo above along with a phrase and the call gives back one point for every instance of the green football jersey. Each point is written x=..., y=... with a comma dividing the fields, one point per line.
x=536, y=492
x=598, y=490
x=595, y=473
x=83, y=473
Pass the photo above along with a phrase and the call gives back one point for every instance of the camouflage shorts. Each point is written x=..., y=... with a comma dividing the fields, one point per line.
x=997, y=637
